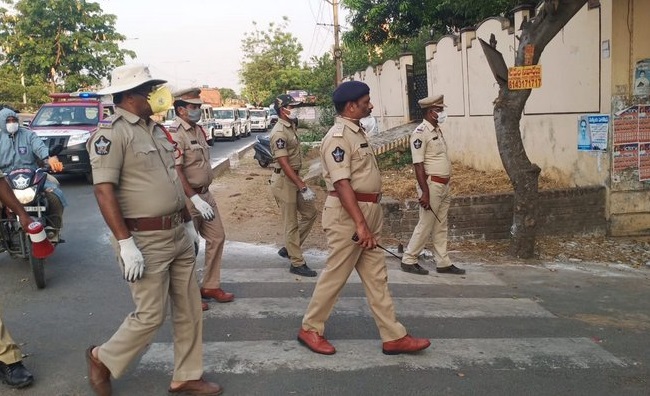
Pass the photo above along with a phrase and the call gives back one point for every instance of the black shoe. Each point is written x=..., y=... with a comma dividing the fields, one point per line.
x=452, y=269
x=414, y=269
x=303, y=270
x=283, y=252
x=15, y=375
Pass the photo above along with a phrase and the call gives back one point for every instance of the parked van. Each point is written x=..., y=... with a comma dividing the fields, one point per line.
x=228, y=123
x=245, y=116
x=259, y=120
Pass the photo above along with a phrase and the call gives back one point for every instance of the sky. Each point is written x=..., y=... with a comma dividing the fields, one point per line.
x=198, y=42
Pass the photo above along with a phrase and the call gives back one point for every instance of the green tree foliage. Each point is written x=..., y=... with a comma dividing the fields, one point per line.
x=377, y=22
x=71, y=44
x=227, y=93
x=272, y=63
x=13, y=92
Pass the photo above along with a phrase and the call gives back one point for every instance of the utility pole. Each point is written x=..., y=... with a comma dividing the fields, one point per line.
x=337, y=47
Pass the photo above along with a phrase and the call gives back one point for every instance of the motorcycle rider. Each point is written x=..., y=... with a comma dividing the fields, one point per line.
x=22, y=148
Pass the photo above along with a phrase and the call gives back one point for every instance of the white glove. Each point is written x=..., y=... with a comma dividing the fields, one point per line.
x=132, y=258
x=191, y=232
x=203, y=207
x=308, y=194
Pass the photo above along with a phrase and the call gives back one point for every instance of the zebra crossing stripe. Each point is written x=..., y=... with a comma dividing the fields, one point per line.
x=248, y=357
x=475, y=277
x=262, y=308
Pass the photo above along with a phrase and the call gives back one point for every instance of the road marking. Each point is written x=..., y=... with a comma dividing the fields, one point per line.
x=456, y=354
x=262, y=308
x=475, y=277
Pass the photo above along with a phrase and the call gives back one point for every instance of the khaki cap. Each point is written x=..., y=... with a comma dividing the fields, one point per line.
x=433, y=100
x=189, y=95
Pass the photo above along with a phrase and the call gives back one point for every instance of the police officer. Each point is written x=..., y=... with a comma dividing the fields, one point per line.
x=290, y=191
x=12, y=370
x=141, y=199
x=352, y=209
x=195, y=172
x=432, y=171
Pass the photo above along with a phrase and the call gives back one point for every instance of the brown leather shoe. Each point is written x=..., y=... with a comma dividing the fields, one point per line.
x=406, y=344
x=204, y=306
x=98, y=374
x=197, y=387
x=218, y=294
x=315, y=342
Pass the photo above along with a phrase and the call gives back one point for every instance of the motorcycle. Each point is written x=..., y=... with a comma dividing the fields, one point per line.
x=262, y=149
x=43, y=206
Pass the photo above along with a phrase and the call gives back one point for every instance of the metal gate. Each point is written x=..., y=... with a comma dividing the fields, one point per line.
x=417, y=89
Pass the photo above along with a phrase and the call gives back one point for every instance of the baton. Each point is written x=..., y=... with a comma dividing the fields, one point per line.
x=355, y=238
x=434, y=213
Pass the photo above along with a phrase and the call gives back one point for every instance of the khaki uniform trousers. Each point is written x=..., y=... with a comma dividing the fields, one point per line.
x=169, y=274
x=9, y=351
x=428, y=225
x=215, y=238
x=292, y=204
x=346, y=256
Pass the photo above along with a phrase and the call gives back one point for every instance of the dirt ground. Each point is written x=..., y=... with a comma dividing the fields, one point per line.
x=250, y=214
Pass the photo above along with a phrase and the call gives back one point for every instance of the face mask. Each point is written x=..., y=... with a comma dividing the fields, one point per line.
x=194, y=115
x=160, y=100
x=292, y=114
x=12, y=127
x=442, y=117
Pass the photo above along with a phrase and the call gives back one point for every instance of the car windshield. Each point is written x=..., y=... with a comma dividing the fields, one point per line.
x=66, y=116
x=223, y=114
x=258, y=113
x=272, y=112
x=242, y=113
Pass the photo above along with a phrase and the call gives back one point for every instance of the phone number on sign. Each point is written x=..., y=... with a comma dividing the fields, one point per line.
x=524, y=84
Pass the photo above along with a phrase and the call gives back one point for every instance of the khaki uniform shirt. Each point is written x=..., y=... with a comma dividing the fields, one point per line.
x=137, y=158
x=195, y=153
x=285, y=143
x=429, y=146
x=346, y=154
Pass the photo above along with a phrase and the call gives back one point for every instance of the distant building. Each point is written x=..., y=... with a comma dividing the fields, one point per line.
x=211, y=96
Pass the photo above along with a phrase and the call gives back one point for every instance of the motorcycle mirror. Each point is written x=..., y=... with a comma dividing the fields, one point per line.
x=56, y=150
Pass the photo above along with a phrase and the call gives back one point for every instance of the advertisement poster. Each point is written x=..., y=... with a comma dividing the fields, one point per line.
x=641, y=78
x=644, y=161
x=592, y=132
x=626, y=156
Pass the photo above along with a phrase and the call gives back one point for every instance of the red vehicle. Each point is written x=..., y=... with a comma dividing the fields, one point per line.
x=68, y=121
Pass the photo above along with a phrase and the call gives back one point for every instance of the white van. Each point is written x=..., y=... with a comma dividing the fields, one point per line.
x=227, y=123
x=245, y=116
x=259, y=120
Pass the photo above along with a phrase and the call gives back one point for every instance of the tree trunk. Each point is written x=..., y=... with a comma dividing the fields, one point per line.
x=552, y=16
x=522, y=173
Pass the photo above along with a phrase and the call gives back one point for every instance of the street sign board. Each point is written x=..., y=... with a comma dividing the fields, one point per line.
x=524, y=77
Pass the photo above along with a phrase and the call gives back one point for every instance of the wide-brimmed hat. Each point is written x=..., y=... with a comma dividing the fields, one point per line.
x=189, y=95
x=127, y=77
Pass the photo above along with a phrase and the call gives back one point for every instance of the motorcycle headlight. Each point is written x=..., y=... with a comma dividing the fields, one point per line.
x=78, y=139
x=26, y=196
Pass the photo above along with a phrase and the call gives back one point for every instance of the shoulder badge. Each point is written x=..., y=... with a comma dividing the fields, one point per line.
x=102, y=146
x=338, y=154
x=337, y=130
x=421, y=128
x=417, y=143
x=108, y=121
x=280, y=144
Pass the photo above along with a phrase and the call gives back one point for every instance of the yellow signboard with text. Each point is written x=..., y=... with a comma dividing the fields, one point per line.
x=524, y=77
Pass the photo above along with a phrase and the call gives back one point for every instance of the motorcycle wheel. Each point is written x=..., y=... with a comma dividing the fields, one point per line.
x=263, y=164
x=38, y=266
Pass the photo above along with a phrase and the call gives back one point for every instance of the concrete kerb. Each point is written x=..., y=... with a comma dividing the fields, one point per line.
x=222, y=165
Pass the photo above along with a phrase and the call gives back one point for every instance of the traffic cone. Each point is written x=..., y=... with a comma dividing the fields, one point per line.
x=41, y=246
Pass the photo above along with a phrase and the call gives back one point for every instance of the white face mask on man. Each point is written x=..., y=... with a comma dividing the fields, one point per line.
x=12, y=127
x=442, y=117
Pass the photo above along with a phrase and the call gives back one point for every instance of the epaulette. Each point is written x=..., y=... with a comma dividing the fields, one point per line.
x=420, y=128
x=337, y=129
x=107, y=123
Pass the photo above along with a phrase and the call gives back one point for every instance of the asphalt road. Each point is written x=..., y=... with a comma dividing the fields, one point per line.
x=556, y=329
